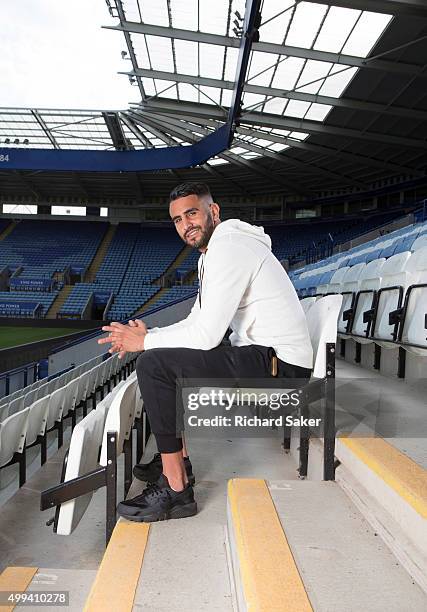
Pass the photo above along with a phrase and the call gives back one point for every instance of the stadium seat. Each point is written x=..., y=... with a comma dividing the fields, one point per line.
x=307, y=303
x=370, y=283
x=395, y=279
x=12, y=442
x=349, y=287
x=413, y=321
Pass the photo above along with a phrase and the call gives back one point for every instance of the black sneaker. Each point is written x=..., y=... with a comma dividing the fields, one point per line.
x=150, y=472
x=158, y=502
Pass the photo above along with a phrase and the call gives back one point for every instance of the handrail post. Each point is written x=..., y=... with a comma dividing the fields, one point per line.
x=329, y=430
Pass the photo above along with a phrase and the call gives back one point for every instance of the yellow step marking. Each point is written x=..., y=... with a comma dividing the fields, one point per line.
x=270, y=577
x=117, y=578
x=15, y=579
x=401, y=473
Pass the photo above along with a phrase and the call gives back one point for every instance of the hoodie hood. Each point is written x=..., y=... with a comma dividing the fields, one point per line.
x=235, y=226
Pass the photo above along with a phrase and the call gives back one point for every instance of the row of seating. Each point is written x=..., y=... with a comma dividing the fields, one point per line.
x=308, y=279
x=96, y=443
x=26, y=420
x=384, y=300
x=46, y=247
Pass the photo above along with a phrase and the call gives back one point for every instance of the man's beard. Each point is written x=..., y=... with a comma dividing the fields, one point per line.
x=206, y=234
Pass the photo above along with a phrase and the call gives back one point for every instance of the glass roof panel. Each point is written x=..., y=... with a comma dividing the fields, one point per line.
x=209, y=95
x=337, y=26
x=311, y=78
x=211, y=61
x=305, y=24
x=213, y=16
x=318, y=112
x=261, y=68
x=186, y=57
x=275, y=105
x=276, y=146
x=297, y=108
x=252, y=100
x=155, y=13
x=231, y=64
x=160, y=53
x=188, y=92
x=335, y=84
x=288, y=72
x=184, y=14
x=277, y=24
x=366, y=33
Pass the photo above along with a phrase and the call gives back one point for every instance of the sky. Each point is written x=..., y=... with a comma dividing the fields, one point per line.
x=54, y=54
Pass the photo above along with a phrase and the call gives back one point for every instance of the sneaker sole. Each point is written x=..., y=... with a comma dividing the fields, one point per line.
x=191, y=479
x=174, y=513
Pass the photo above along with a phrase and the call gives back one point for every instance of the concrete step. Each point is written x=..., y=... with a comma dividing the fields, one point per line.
x=302, y=545
x=8, y=230
x=60, y=300
x=100, y=254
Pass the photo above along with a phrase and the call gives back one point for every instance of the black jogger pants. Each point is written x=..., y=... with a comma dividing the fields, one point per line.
x=158, y=370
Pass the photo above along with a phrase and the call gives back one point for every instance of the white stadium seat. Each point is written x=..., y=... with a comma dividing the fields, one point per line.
x=349, y=287
x=322, y=320
x=395, y=279
x=370, y=283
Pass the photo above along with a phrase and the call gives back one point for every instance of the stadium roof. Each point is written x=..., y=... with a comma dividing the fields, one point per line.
x=334, y=94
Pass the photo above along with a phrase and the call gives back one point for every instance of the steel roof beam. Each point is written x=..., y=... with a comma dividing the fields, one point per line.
x=416, y=8
x=135, y=131
x=307, y=145
x=267, y=47
x=281, y=158
x=45, y=129
x=115, y=129
x=206, y=115
x=186, y=132
x=122, y=17
x=275, y=92
x=317, y=127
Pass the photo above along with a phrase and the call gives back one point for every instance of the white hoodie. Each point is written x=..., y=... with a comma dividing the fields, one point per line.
x=243, y=287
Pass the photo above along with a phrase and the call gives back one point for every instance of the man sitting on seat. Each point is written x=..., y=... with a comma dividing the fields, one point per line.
x=242, y=286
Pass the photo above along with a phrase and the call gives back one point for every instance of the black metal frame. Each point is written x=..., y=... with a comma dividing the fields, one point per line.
x=404, y=311
x=96, y=479
x=21, y=459
x=375, y=314
x=102, y=476
x=367, y=314
x=323, y=388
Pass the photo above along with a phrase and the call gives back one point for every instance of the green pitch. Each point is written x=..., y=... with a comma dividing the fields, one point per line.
x=13, y=336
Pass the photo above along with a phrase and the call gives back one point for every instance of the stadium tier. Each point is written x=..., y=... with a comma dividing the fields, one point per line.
x=37, y=254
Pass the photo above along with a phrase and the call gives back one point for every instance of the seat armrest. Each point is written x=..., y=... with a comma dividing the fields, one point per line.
x=347, y=314
x=395, y=316
x=368, y=315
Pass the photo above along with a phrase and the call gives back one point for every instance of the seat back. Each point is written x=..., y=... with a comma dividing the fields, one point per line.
x=37, y=419
x=16, y=405
x=120, y=417
x=337, y=278
x=12, y=435
x=56, y=406
x=420, y=242
x=349, y=287
x=307, y=303
x=322, y=320
x=414, y=326
x=82, y=458
x=370, y=281
x=394, y=274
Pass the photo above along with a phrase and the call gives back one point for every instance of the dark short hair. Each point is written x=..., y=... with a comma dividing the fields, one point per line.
x=185, y=189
